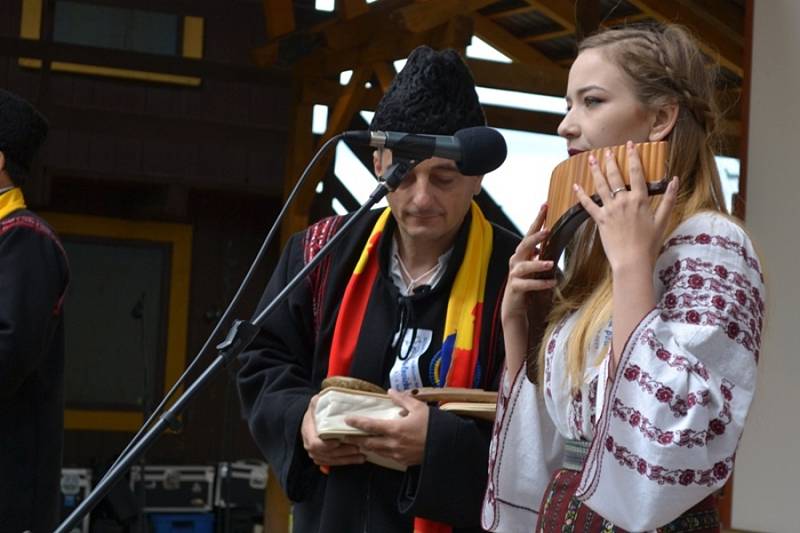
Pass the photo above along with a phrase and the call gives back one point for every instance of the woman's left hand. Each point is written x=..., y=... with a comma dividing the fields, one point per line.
x=631, y=233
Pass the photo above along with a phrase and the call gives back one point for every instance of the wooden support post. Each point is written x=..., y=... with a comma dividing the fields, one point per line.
x=276, y=506
x=279, y=17
x=348, y=104
x=301, y=146
x=385, y=73
x=348, y=9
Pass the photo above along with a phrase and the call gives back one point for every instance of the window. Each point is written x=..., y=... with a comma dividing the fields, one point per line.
x=117, y=28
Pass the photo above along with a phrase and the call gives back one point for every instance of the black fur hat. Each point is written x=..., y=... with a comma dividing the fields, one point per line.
x=434, y=93
x=22, y=131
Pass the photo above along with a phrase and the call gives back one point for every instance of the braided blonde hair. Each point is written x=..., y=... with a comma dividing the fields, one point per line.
x=665, y=66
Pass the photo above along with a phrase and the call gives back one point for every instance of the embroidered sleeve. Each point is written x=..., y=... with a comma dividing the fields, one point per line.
x=674, y=412
x=525, y=450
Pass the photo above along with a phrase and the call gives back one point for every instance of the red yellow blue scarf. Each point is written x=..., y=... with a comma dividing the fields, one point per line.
x=462, y=326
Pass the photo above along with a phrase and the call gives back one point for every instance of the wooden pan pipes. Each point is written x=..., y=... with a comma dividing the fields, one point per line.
x=565, y=213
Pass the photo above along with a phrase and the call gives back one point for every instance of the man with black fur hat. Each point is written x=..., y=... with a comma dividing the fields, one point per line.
x=33, y=282
x=410, y=299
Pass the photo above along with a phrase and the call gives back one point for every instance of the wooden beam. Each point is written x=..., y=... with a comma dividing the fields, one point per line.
x=276, y=506
x=279, y=17
x=340, y=116
x=301, y=147
x=620, y=21
x=427, y=15
x=587, y=18
x=373, y=24
x=610, y=23
x=523, y=120
x=505, y=76
x=327, y=92
x=547, y=36
x=385, y=73
x=388, y=47
x=717, y=44
x=511, y=12
x=562, y=12
x=724, y=15
x=508, y=44
x=349, y=9
x=347, y=105
x=123, y=59
x=514, y=77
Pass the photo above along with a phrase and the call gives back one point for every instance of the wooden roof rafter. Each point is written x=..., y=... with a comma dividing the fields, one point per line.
x=388, y=47
x=279, y=17
x=348, y=104
x=714, y=42
x=348, y=9
x=517, y=50
x=562, y=12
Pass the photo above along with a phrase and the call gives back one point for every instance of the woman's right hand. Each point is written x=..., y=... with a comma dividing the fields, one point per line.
x=521, y=287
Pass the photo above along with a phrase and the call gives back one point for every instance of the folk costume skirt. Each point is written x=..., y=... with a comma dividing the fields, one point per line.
x=562, y=512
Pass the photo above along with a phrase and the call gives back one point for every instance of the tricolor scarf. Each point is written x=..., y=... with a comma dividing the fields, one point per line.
x=462, y=328
x=11, y=201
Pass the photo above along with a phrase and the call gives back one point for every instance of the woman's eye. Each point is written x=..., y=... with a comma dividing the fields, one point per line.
x=589, y=101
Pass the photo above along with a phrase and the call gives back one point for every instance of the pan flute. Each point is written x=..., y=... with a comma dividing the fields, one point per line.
x=565, y=213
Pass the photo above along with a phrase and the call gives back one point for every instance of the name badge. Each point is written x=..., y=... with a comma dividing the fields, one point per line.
x=405, y=374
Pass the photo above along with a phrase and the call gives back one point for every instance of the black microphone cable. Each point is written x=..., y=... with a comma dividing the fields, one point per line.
x=234, y=301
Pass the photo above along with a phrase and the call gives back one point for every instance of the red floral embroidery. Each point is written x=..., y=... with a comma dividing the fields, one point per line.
x=719, y=241
x=663, y=476
x=664, y=394
x=694, y=284
x=679, y=406
x=688, y=438
x=679, y=362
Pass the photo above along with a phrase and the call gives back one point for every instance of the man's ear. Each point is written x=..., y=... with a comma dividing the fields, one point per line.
x=477, y=190
x=663, y=121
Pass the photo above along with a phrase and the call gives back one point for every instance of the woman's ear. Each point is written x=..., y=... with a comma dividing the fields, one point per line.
x=664, y=120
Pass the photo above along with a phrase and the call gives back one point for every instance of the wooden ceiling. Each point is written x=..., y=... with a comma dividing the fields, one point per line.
x=539, y=36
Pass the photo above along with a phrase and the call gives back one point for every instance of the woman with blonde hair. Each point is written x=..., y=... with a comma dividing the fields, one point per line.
x=647, y=367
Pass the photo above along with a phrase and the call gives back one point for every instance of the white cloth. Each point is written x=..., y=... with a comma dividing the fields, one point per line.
x=399, y=280
x=665, y=427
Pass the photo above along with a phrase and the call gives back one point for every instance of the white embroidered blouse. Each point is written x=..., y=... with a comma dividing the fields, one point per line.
x=664, y=428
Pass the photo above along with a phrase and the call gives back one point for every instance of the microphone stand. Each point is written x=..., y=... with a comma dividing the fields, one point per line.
x=239, y=337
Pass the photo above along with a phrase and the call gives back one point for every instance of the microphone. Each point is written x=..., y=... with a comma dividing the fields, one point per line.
x=476, y=151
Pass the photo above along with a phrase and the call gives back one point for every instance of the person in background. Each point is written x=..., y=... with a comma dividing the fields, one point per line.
x=33, y=281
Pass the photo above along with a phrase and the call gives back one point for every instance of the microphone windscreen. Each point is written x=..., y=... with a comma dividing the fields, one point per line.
x=483, y=150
